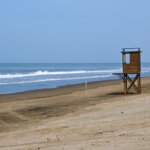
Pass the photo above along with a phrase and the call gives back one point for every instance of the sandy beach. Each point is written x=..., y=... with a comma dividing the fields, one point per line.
x=69, y=118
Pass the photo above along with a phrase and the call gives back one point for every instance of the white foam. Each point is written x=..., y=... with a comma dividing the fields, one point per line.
x=58, y=79
x=145, y=70
x=44, y=73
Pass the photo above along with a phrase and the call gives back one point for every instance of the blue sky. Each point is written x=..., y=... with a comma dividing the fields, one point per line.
x=72, y=30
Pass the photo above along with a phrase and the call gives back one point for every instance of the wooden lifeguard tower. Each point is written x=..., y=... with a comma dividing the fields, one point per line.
x=131, y=75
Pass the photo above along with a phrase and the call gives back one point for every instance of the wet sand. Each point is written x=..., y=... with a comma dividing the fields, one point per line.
x=69, y=118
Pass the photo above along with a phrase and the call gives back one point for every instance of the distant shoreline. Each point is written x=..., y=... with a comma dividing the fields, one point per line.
x=59, y=90
x=49, y=92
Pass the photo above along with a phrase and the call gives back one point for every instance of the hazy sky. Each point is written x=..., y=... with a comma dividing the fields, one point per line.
x=72, y=30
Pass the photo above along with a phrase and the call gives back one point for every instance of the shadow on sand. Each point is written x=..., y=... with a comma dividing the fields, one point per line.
x=120, y=94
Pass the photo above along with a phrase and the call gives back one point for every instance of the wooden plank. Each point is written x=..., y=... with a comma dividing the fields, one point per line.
x=132, y=83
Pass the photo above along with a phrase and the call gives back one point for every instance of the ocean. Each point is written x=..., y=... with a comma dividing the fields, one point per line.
x=20, y=77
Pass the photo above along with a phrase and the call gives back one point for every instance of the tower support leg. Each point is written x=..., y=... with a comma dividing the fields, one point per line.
x=125, y=83
x=132, y=84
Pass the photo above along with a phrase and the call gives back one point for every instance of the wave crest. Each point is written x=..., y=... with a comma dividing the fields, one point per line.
x=44, y=73
x=58, y=79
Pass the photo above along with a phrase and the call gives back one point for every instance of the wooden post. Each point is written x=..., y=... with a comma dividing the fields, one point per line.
x=139, y=83
x=125, y=84
x=130, y=83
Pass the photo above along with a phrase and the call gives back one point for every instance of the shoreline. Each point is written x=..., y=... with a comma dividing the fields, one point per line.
x=70, y=88
x=61, y=86
x=66, y=89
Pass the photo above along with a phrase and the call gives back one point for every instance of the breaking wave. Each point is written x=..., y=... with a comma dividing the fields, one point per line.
x=44, y=73
x=58, y=79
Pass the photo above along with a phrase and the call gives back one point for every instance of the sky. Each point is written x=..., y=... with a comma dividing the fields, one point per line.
x=72, y=31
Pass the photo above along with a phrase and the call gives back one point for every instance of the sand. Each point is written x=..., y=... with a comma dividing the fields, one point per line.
x=68, y=118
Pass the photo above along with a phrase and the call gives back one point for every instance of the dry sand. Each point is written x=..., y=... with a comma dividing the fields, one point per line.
x=67, y=118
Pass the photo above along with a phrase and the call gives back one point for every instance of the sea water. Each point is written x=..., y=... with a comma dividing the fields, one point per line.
x=21, y=77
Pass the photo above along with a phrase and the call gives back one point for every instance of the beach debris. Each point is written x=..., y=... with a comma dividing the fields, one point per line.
x=53, y=138
x=86, y=87
x=122, y=135
x=102, y=132
x=57, y=138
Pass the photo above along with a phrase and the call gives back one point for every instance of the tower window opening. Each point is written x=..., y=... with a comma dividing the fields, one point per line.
x=127, y=58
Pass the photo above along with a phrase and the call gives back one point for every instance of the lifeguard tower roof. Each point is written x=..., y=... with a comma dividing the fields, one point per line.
x=131, y=50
